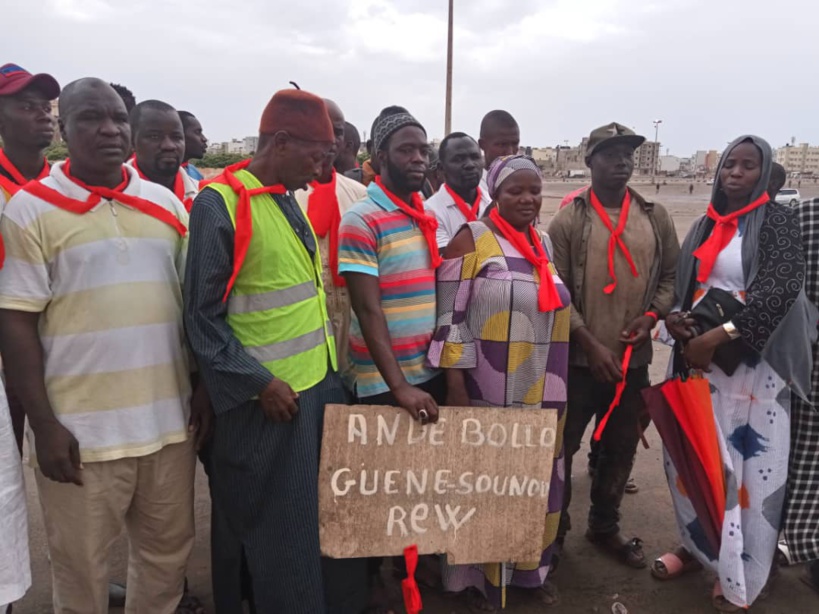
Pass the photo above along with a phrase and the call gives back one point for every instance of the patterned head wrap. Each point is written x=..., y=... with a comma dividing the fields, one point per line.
x=387, y=126
x=506, y=166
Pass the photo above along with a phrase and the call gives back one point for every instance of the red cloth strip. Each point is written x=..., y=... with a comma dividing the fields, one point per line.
x=618, y=393
x=427, y=222
x=412, y=596
x=470, y=212
x=725, y=228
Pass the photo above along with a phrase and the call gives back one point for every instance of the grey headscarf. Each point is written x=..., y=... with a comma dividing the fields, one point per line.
x=788, y=349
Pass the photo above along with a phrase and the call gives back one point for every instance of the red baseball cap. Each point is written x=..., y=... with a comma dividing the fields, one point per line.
x=14, y=79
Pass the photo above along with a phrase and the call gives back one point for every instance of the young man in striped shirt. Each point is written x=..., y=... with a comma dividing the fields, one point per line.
x=388, y=255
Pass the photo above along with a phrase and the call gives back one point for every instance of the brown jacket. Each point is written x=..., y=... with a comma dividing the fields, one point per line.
x=569, y=232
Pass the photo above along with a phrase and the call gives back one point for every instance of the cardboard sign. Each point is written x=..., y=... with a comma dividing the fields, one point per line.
x=474, y=486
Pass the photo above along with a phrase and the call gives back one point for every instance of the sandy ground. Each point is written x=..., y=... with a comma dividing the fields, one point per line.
x=588, y=581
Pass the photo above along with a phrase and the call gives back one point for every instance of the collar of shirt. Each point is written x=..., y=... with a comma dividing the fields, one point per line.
x=65, y=186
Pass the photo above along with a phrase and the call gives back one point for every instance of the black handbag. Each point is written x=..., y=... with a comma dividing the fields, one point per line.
x=715, y=309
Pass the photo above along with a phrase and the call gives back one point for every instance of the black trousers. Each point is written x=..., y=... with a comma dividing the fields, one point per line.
x=589, y=399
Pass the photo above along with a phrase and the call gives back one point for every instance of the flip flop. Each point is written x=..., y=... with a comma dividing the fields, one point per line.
x=631, y=487
x=672, y=565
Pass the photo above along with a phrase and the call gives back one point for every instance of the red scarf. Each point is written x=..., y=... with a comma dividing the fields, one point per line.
x=99, y=193
x=244, y=218
x=470, y=213
x=724, y=230
x=325, y=217
x=427, y=223
x=615, y=239
x=17, y=181
x=178, y=185
x=548, y=299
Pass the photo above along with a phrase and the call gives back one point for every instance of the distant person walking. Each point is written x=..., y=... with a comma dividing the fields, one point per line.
x=690, y=189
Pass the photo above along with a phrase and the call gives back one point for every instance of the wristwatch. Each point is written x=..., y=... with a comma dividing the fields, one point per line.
x=731, y=330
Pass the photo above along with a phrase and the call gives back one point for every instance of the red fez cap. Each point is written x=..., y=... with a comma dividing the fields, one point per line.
x=301, y=114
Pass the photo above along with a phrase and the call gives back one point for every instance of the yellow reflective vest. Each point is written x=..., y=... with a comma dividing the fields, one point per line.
x=277, y=307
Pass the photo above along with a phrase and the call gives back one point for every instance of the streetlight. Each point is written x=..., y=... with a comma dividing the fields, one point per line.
x=448, y=112
x=656, y=162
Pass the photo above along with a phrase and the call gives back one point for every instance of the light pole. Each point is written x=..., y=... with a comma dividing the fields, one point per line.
x=656, y=162
x=448, y=113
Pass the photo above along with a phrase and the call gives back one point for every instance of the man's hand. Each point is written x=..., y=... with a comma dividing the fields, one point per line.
x=638, y=332
x=604, y=364
x=201, y=421
x=58, y=453
x=415, y=400
x=680, y=327
x=279, y=401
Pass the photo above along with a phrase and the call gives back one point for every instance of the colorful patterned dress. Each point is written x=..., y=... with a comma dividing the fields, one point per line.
x=752, y=412
x=512, y=355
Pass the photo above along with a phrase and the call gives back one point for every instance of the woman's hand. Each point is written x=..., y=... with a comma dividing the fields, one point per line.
x=699, y=352
x=680, y=327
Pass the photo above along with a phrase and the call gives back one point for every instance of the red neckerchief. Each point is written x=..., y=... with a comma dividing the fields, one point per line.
x=178, y=185
x=325, y=217
x=547, y=298
x=725, y=228
x=615, y=238
x=470, y=213
x=427, y=223
x=99, y=193
x=244, y=219
x=17, y=181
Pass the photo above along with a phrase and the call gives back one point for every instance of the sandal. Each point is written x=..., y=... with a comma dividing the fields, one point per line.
x=476, y=602
x=720, y=603
x=190, y=605
x=674, y=564
x=629, y=552
x=631, y=487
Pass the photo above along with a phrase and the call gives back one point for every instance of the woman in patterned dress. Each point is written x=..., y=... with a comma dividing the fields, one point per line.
x=503, y=340
x=750, y=247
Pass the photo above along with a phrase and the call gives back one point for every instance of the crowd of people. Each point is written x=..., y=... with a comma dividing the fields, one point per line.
x=148, y=315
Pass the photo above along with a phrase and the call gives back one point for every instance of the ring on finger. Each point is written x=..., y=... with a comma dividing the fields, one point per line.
x=423, y=415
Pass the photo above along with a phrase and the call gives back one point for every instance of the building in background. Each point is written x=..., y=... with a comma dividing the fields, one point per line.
x=801, y=158
x=670, y=165
x=646, y=158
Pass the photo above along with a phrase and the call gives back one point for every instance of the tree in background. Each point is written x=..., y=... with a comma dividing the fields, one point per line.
x=220, y=160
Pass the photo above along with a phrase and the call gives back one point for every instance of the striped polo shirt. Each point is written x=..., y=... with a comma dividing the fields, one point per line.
x=107, y=286
x=376, y=238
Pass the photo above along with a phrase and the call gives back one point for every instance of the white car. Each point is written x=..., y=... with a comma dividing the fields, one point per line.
x=788, y=196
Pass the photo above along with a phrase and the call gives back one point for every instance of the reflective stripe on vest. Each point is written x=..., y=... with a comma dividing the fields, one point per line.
x=277, y=307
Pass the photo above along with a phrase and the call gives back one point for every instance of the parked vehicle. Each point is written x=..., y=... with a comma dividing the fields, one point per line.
x=788, y=196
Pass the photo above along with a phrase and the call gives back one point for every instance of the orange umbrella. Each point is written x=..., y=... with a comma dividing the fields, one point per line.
x=690, y=400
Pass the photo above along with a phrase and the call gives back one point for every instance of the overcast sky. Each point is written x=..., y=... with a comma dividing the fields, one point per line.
x=710, y=69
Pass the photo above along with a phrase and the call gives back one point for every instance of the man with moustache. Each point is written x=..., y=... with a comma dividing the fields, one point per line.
x=256, y=317
x=91, y=310
x=388, y=255
x=159, y=142
x=324, y=201
x=460, y=199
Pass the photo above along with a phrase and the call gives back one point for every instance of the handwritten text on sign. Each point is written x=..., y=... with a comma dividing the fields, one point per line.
x=475, y=485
